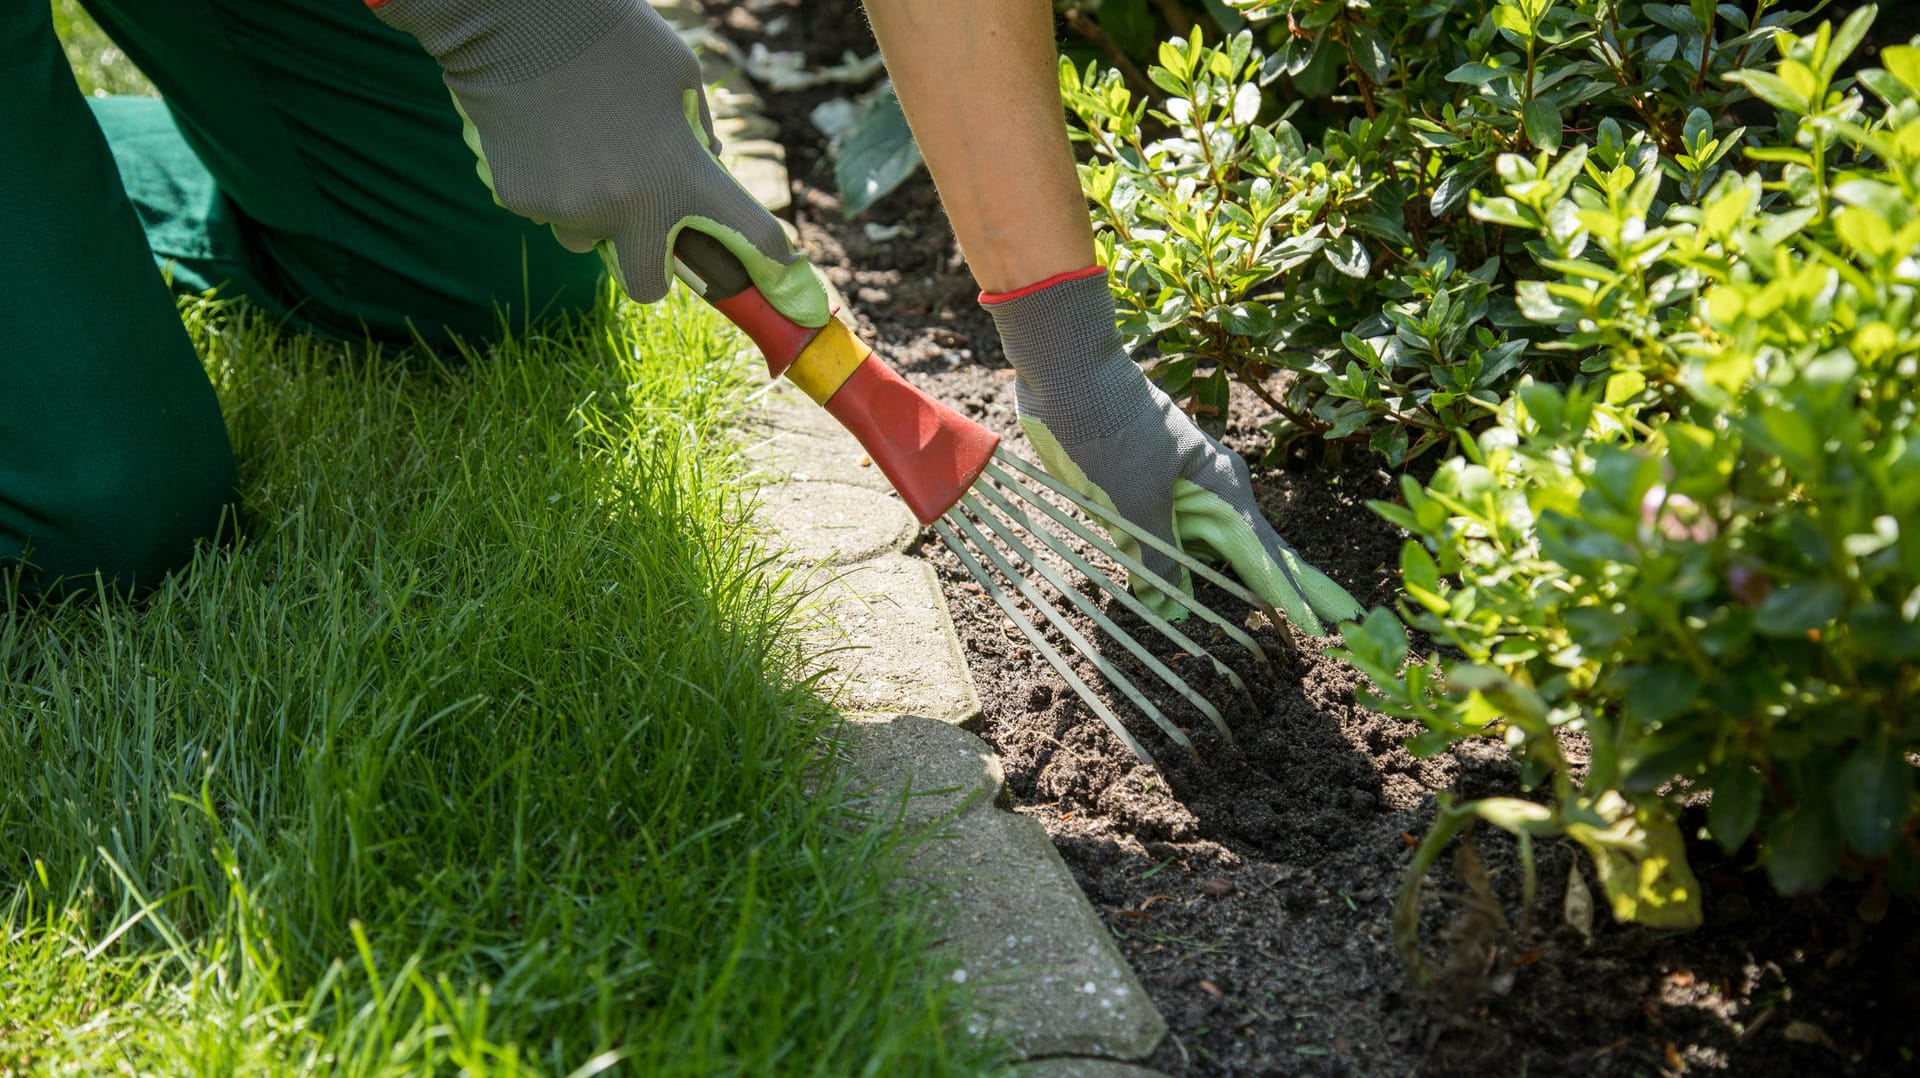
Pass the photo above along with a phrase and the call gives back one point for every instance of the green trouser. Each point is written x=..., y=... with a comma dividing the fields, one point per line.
x=305, y=156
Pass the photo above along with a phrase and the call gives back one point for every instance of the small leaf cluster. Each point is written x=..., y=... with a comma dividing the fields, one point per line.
x=1287, y=207
x=1702, y=552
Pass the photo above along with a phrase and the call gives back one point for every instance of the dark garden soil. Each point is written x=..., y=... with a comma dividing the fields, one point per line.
x=1252, y=888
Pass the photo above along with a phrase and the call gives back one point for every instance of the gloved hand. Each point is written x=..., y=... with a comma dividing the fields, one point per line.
x=1102, y=428
x=587, y=115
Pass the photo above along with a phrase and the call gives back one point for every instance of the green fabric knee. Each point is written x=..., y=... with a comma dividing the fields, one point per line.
x=113, y=456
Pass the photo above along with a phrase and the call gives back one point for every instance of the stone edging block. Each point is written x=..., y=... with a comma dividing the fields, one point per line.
x=1041, y=969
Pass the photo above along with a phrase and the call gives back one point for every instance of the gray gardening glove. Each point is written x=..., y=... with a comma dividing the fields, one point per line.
x=1102, y=428
x=587, y=115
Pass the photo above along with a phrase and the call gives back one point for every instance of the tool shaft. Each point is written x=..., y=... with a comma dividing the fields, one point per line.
x=929, y=452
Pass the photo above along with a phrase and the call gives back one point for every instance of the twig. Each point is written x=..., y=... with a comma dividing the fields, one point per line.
x=1304, y=422
x=1178, y=21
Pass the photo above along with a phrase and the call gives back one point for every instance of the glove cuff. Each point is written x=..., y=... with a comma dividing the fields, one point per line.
x=497, y=42
x=1074, y=375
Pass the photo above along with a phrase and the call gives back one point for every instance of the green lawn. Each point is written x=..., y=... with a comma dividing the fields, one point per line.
x=101, y=68
x=485, y=747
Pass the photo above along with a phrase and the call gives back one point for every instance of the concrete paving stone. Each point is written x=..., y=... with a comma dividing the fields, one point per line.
x=1083, y=1067
x=802, y=455
x=900, y=653
x=828, y=523
x=1044, y=971
x=789, y=436
x=734, y=129
x=764, y=178
x=679, y=13
x=946, y=769
x=785, y=407
x=734, y=100
x=766, y=148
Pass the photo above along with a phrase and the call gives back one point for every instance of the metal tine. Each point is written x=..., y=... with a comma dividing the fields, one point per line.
x=1047, y=651
x=1080, y=643
x=1005, y=534
x=1120, y=592
x=1132, y=564
x=1115, y=520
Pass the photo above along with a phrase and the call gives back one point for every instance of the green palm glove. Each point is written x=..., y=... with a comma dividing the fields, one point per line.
x=1102, y=428
x=587, y=115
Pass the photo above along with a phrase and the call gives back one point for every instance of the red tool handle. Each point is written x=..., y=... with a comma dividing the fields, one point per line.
x=929, y=452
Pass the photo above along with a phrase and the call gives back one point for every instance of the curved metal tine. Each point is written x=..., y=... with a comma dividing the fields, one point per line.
x=1115, y=520
x=1087, y=606
x=1047, y=651
x=1080, y=643
x=1106, y=546
x=1121, y=593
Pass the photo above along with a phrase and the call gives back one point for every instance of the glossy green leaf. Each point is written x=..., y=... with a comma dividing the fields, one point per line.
x=1772, y=89
x=1798, y=609
x=1735, y=807
x=877, y=157
x=1903, y=63
x=1873, y=797
x=1543, y=124
x=1802, y=848
x=1370, y=53
x=1348, y=255
x=1660, y=692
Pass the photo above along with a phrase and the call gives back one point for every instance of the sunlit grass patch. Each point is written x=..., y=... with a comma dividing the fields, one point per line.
x=484, y=746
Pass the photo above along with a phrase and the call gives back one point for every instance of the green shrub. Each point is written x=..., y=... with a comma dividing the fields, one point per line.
x=1704, y=552
x=1330, y=237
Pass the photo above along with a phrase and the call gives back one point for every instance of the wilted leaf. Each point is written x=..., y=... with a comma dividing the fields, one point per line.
x=1801, y=1032
x=1642, y=863
x=1577, y=909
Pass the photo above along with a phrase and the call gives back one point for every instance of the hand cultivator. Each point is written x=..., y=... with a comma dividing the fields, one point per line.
x=982, y=501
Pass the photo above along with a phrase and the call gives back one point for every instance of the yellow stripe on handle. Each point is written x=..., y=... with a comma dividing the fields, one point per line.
x=827, y=361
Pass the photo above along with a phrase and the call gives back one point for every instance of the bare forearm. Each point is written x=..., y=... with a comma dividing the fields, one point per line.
x=979, y=86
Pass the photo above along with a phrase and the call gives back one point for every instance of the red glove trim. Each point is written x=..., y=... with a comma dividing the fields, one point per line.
x=1028, y=290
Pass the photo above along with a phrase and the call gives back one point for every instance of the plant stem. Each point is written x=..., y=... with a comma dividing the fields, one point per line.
x=1305, y=422
x=1179, y=23
x=1706, y=53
